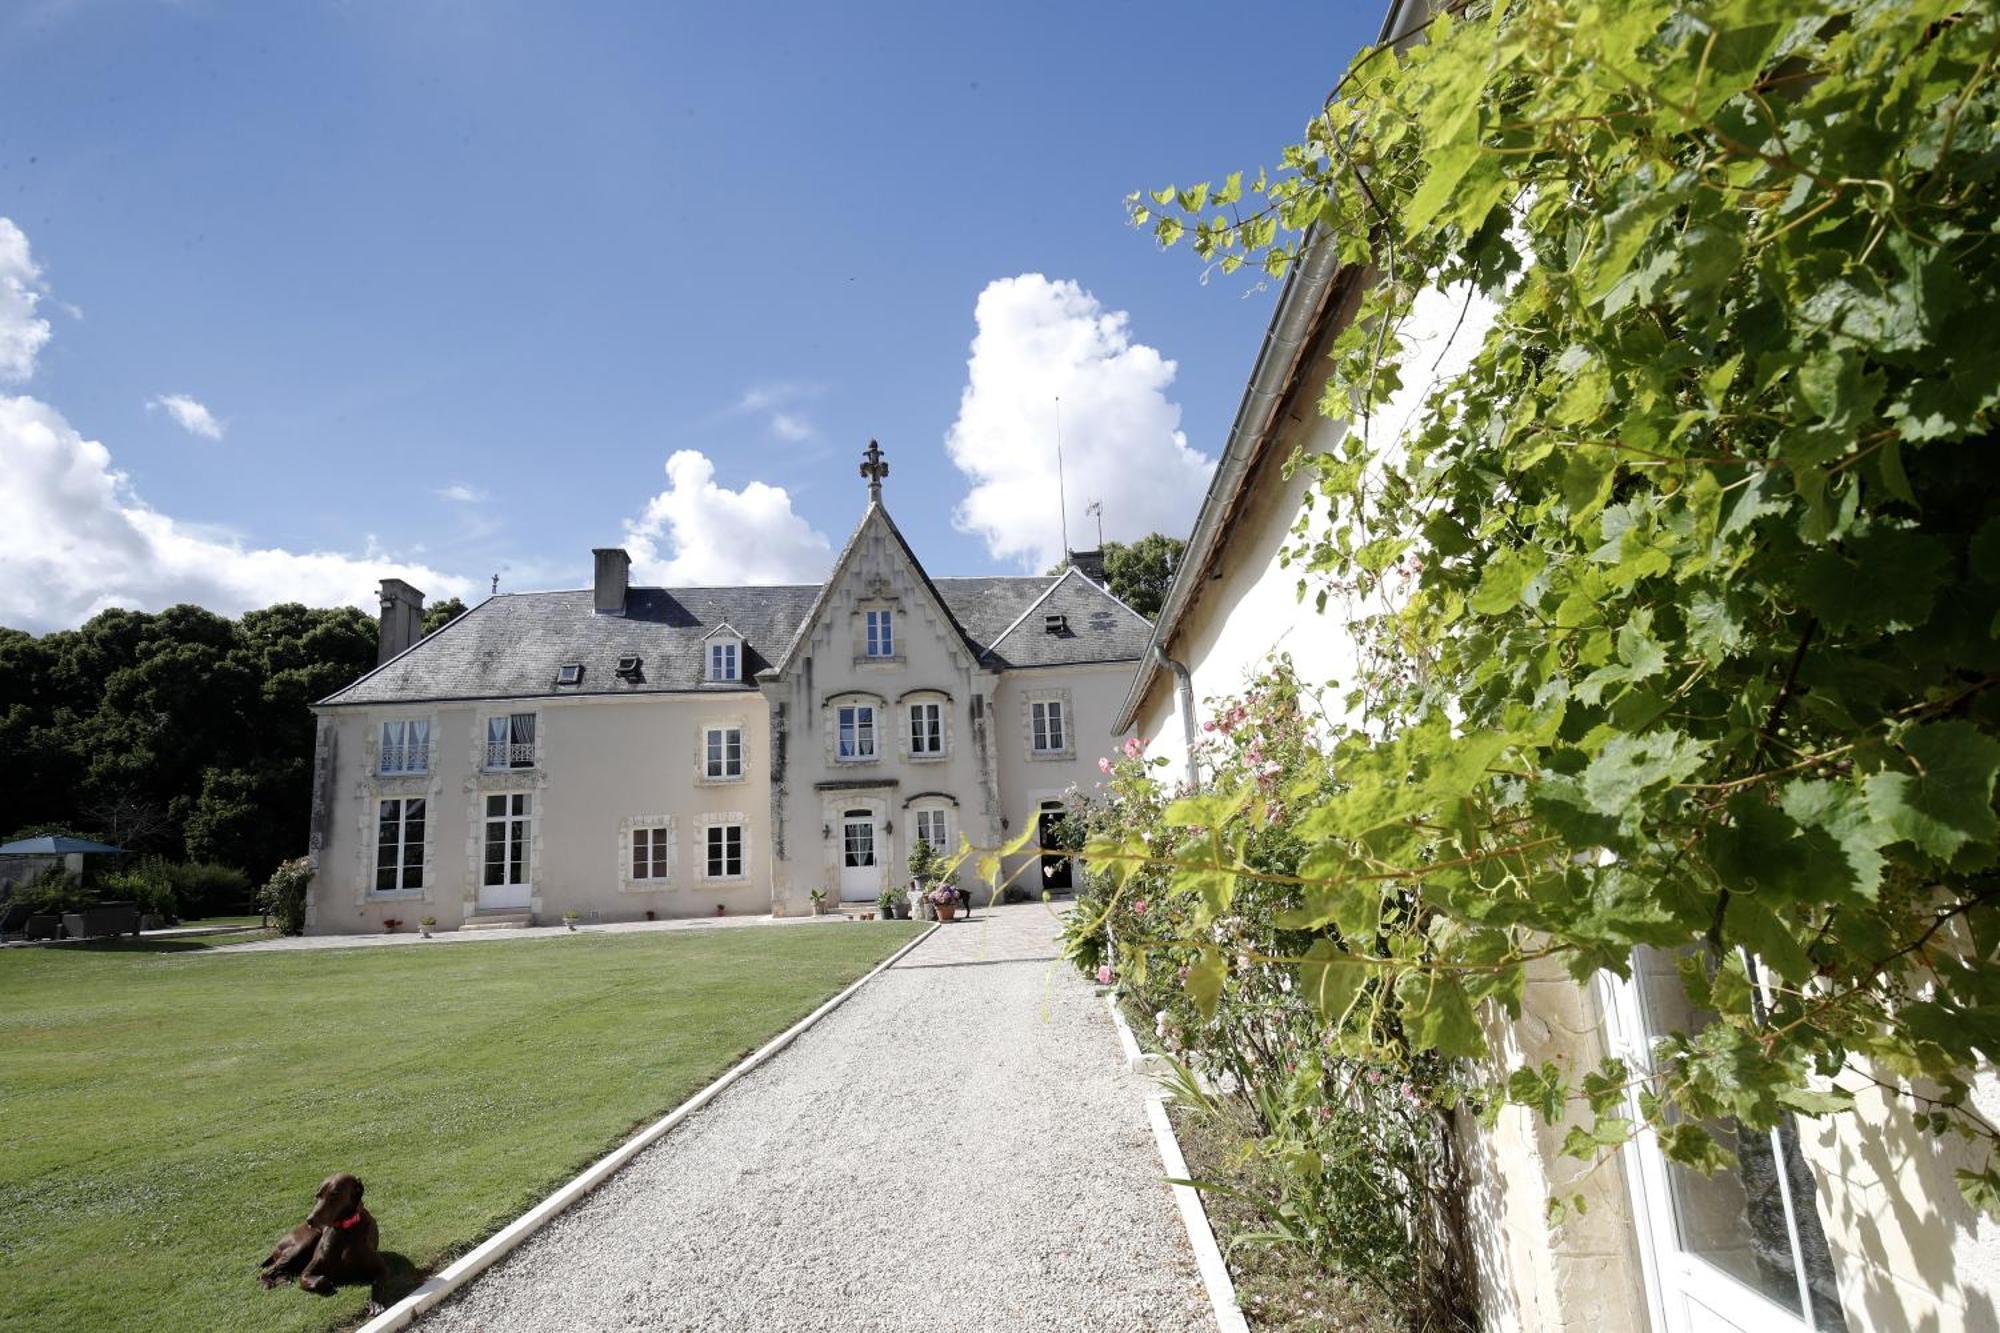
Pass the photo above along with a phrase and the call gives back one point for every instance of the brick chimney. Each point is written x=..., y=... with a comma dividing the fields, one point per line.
x=402, y=619
x=1090, y=564
x=614, y=572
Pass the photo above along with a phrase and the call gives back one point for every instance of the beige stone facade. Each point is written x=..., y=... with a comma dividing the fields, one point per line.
x=579, y=753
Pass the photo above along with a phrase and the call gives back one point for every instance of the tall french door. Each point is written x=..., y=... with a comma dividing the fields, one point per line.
x=1741, y=1251
x=503, y=880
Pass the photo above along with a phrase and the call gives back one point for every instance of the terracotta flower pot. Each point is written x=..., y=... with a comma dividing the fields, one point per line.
x=947, y=911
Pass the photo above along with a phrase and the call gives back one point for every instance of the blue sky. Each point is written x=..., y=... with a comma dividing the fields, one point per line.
x=456, y=280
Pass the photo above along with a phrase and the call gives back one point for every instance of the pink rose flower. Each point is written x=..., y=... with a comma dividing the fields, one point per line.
x=1104, y=765
x=1105, y=974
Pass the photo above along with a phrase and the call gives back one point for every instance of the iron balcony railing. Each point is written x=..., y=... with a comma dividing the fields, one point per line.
x=406, y=758
x=510, y=756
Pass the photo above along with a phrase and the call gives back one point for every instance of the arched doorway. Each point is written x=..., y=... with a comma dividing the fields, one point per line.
x=860, y=854
x=1057, y=869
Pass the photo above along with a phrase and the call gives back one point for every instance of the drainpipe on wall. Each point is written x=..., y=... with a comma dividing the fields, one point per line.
x=1184, y=687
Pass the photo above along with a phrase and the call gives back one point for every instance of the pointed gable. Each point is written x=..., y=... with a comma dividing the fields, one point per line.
x=877, y=564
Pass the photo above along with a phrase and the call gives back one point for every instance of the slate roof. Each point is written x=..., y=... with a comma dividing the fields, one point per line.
x=1095, y=627
x=510, y=646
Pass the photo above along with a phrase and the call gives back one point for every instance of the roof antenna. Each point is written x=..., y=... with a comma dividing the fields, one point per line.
x=1062, y=500
x=496, y=587
x=1097, y=507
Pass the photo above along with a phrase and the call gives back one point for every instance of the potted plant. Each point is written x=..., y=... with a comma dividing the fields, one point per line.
x=426, y=924
x=923, y=877
x=391, y=923
x=571, y=917
x=885, y=902
x=819, y=902
x=944, y=899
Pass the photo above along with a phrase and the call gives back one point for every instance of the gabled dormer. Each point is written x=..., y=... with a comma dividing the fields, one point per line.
x=722, y=656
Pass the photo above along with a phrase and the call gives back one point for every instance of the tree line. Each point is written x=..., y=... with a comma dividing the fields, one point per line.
x=181, y=733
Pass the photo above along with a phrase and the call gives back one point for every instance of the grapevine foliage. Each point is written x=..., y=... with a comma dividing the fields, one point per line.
x=1685, y=594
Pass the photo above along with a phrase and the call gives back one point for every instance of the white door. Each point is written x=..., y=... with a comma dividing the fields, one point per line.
x=503, y=881
x=860, y=856
x=1741, y=1251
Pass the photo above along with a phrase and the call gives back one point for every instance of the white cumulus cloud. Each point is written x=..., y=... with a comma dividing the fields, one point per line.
x=460, y=493
x=696, y=532
x=75, y=538
x=1038, y=340
x=22, y=331
x=189, y=415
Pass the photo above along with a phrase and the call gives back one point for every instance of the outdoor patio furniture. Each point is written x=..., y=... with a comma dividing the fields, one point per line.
x=102, y=919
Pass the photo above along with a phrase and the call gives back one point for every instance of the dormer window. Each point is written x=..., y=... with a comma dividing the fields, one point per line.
x=629, y=670
x=881, y=633
x=725, y=660
x=1055, y=624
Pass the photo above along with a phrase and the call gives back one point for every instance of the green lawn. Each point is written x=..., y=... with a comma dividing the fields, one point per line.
x=166, y=1112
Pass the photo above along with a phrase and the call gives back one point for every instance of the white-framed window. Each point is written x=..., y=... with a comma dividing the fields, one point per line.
x=880, y=637
x=406, y=747
x=1743, y=1248
x=934, y=827
x=652, y=853
x=510, y=741
x=856, y=733
x=725, y=660
x=399, y=845
x=722, y=753
x=1047, y=727
x=927, y=728
x=722, y=851
x=509, y=833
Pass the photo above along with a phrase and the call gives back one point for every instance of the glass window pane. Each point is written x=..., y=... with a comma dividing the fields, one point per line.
x=1755, y=1221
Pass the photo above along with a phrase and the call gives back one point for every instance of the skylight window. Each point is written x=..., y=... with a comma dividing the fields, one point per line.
x=570, y=674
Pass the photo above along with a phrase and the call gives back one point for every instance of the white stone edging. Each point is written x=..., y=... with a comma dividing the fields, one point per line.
x=1194, y=1214
x=497, y=1246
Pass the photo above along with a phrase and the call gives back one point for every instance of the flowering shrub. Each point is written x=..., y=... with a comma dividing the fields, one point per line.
x=1350, y=1125
x=283, y=896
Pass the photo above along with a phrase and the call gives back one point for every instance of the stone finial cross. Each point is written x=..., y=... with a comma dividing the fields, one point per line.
x=874, y=468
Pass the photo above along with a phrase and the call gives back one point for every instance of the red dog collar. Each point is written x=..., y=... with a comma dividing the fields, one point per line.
x=350, y=1221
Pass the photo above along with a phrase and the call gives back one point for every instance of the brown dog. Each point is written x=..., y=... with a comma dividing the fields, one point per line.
x=335, y=1244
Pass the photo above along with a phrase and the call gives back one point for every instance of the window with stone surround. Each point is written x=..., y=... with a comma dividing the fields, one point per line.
x=406, y=747
x=933, y=825
x=722, y=850
x=879, y=633
x=855, y=742
x=652, y=853
x=722, y=754
x=927, y=729
x=1049, y=724
x=399, y=845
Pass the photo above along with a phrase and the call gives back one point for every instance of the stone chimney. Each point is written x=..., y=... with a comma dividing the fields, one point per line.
x=614, y=572
x=402, y=619
x=1090, y=564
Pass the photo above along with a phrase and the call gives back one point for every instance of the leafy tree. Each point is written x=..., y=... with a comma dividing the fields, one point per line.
x=1692, y=577
x=440, y=614
x=1139, y=573
x=179, y=733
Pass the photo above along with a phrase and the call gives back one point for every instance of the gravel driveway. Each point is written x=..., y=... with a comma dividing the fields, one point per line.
x=957, y=1147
